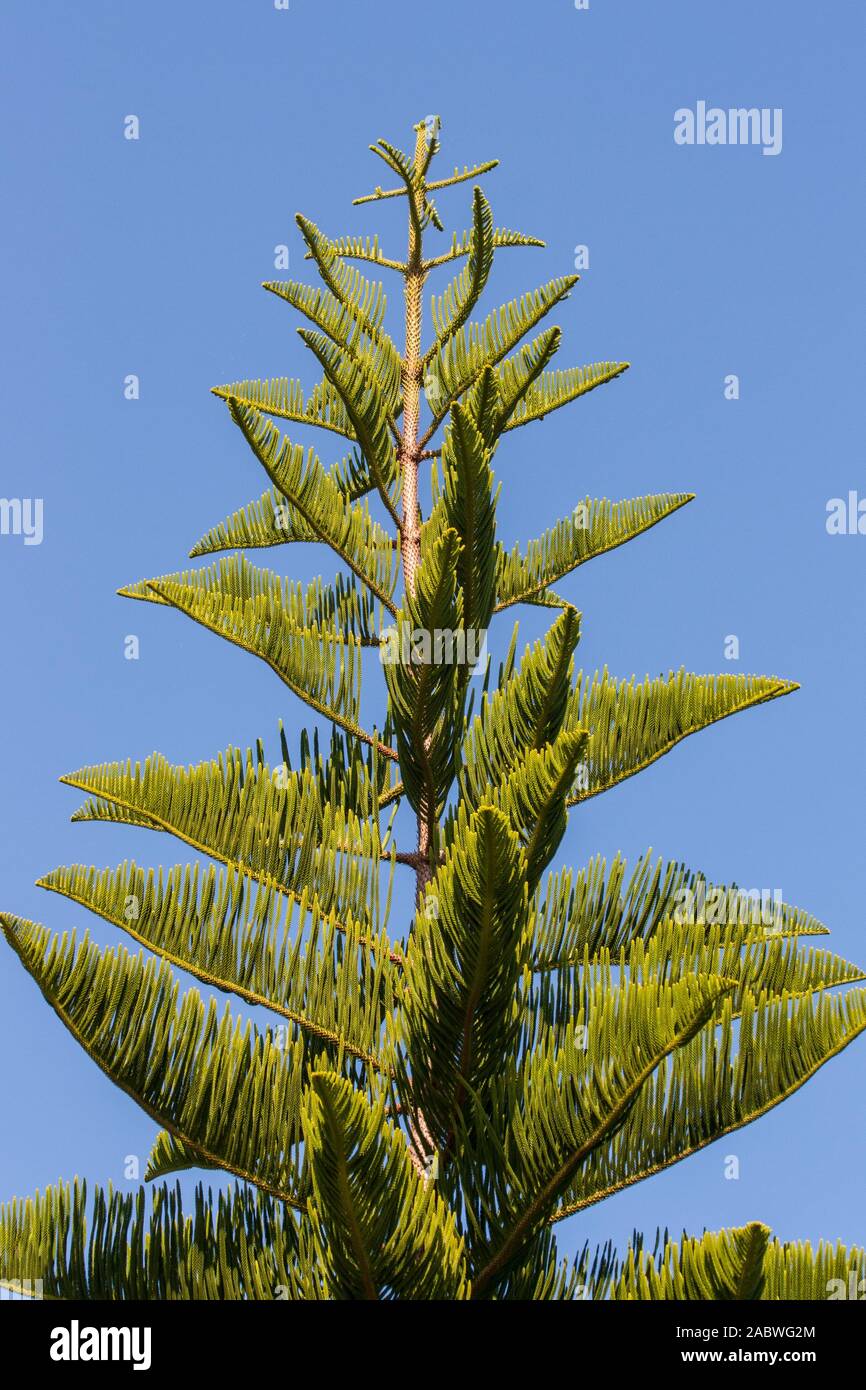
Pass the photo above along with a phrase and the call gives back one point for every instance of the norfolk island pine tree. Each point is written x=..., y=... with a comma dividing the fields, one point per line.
x=435, y=1095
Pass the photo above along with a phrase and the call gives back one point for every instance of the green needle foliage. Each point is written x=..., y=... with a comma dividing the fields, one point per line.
x=438, y=1086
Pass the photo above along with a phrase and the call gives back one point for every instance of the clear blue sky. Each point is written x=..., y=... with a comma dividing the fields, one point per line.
x=145, y=257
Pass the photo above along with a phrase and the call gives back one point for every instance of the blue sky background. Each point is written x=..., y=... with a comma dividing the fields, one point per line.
x=145, y=257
